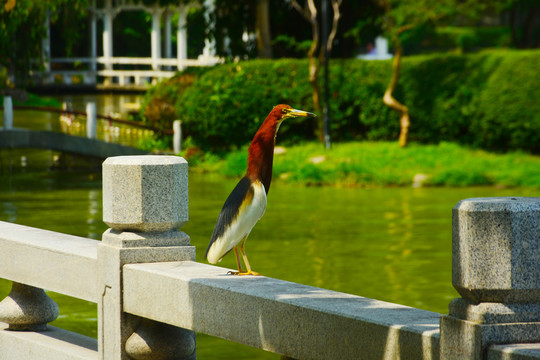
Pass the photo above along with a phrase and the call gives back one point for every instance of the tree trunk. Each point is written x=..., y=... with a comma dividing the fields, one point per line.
x=309, y=12
x=262, y=24
x=391, y=102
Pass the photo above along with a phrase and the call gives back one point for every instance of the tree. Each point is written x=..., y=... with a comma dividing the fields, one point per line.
x=402, y=16
x=525, y=23
x=262, y=29
x=22, y=24
x=317, y=49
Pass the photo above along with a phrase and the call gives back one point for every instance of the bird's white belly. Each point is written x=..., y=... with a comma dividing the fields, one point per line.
x=241, y=226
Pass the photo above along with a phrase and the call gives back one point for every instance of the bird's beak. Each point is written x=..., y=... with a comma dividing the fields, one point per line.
x=297, y=113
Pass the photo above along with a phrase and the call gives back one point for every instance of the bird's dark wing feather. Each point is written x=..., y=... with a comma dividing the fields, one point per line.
x=231, y=208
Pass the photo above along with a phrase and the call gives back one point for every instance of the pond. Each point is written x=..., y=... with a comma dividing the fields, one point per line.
x=391, y=244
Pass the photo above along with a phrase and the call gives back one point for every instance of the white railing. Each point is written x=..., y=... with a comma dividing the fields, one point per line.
x=121, y=77
x=149, y=290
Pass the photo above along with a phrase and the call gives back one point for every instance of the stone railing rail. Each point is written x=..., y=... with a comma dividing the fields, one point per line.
x=152, y=296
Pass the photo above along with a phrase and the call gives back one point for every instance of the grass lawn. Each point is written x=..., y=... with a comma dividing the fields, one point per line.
x=386, y=164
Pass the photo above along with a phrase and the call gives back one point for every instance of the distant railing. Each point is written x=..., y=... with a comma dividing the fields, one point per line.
x=89, y=127
x=152, y=296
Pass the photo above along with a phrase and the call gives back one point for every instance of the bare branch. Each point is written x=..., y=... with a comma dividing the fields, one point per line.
x=303, y=11
x=335, y=21
x=392, y=103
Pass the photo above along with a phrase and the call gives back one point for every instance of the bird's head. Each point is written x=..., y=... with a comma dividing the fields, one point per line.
x=282, y=112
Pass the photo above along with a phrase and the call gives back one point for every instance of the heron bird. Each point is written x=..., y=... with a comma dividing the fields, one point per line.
x=247, y=202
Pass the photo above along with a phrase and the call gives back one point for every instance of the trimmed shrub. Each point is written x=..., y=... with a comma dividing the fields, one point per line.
x=508, y=113
x=487, y=99
x=226, y=106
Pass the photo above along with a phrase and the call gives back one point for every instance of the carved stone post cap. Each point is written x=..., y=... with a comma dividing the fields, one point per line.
x=145, y=193
x=496, y=249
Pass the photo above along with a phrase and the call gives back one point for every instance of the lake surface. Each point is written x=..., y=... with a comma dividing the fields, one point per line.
x=391, y=244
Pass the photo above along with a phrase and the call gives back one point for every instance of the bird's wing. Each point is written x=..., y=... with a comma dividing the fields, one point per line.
x=241, y=211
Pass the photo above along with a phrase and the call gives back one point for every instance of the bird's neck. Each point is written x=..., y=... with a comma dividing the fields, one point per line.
x=261, y=154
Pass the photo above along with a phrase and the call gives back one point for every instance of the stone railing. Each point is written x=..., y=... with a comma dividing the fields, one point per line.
x=152, y=296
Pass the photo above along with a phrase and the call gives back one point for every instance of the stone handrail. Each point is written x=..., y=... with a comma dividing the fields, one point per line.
x=291, y=319
x=152, y=297
x=69, y=259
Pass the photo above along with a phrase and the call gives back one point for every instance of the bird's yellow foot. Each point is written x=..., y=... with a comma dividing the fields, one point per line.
x=242, y=273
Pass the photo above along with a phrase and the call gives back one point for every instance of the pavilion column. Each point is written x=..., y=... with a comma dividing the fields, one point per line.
x=93, y=42
x=108, y=16
x=209, y=50
x=181, y=38
x=156, y=37
x=168, y=37
x=46, y=44
x=46, y=49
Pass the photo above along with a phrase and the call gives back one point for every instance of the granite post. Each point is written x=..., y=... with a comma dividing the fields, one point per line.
x=8, y=113
x=91, y=120
x=145, y=202
x=496, y=270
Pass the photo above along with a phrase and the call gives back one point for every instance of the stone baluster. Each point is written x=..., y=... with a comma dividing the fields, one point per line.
x=27, y=308
x=496, y=270
x=145, y=202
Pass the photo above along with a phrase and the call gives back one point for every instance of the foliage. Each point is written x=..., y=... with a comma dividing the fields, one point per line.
x=508, y=114
x=235, y=19
x=22, y=98
x=486, y=99
x=226, y=105
x=402, y=16
x=154, y=143
x=470, y=38
x=22, y=29
x=158, y=108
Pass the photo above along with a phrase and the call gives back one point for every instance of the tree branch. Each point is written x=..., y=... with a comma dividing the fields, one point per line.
x=303, y=11
x=335, y=21
x=392, y=103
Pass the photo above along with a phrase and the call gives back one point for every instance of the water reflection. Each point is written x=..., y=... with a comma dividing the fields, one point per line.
x=94, y=219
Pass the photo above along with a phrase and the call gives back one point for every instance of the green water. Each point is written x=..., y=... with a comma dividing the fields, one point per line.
x=391, y=244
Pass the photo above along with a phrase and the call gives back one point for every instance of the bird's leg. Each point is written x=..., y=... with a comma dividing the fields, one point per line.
x=243, y=251
x=240, y=271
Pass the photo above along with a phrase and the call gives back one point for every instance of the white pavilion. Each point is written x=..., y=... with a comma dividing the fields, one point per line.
x=160, y=64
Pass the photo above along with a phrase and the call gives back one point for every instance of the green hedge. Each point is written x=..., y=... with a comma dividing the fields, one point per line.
x=489, y=100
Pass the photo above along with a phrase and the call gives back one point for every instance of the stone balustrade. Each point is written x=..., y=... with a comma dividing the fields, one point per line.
x=152, y=296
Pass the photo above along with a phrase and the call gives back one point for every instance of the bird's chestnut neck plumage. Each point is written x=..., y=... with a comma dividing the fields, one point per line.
x=261, y=150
